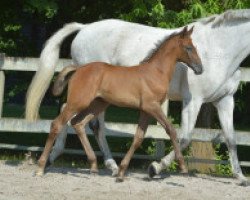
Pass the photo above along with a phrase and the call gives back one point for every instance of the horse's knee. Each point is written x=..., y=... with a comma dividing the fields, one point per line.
x=184, y=142
x=230, y=142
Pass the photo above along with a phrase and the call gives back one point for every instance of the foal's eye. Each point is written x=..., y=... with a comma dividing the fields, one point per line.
x=188, y=48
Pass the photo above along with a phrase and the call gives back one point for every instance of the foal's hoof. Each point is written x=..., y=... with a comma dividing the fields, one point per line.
x=39, y=172
x=119, y=179
x=184, y=171
x=93, y=171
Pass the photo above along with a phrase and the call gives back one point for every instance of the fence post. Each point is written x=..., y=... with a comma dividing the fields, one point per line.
x=2, y=83
x=2, y=80
x=160, y=144
x=203, y=150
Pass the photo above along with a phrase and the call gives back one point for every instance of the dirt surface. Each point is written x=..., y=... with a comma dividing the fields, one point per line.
x=17, y=182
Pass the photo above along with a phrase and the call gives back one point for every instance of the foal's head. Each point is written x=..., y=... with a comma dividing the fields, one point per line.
x=188, y=53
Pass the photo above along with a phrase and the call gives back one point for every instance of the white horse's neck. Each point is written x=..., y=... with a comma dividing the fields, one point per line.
x=223, y=47
x=239, y=47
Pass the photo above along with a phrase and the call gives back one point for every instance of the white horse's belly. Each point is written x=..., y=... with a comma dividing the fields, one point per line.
x=230, y=86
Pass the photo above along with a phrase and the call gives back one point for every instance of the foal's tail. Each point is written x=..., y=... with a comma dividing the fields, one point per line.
x=62, y=79
x=47, y=64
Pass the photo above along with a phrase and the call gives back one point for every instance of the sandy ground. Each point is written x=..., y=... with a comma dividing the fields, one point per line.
x=17, y=182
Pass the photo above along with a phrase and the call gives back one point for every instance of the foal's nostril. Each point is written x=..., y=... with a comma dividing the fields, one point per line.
x=198, y=72
x=198, y=69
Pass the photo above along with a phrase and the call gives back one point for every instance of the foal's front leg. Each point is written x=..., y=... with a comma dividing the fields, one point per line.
x=189, y=114
x=156, y=111
x=138, y=138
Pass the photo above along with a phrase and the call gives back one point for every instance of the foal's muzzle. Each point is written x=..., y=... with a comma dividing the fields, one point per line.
x=197, y=68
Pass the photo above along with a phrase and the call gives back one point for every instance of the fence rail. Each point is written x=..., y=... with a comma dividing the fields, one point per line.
x=113, y=129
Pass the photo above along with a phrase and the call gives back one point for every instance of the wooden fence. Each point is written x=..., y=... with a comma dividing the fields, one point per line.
x=113, y=128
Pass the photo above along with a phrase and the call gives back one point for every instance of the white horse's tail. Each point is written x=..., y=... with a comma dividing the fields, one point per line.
x=48, y=60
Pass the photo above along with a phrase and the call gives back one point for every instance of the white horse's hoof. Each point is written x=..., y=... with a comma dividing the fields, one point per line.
x=115, y=172
x=153, y=169
x=111, y=164
x=245, y=183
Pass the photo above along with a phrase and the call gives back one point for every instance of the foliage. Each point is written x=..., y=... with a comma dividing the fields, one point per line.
x=45, y=9
x=157, y=12
x=15, y=16
x=223, y=169
x=151, y=148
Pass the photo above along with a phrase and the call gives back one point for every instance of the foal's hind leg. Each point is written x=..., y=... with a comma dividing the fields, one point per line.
x=59, y=145
x=80, y=130
x=138, y=138
x=156, y=111
x=55, y=129
x=79, y=122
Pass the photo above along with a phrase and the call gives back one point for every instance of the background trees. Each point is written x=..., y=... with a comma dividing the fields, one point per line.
x=26, y=24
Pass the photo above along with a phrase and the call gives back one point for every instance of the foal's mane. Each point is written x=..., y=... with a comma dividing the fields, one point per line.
x=227, y=17
x=158, y=46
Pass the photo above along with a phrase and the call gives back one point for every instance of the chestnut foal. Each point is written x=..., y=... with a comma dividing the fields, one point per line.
x=93, y=87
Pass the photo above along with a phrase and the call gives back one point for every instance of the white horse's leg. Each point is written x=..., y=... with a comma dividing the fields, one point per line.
x=98, y=128
x=225, y=107
x=190, y=111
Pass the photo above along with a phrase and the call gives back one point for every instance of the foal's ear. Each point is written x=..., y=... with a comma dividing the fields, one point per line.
x=184, y=32
x=190, y=31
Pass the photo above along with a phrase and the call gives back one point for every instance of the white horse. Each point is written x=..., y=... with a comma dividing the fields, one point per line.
x=221, y=40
